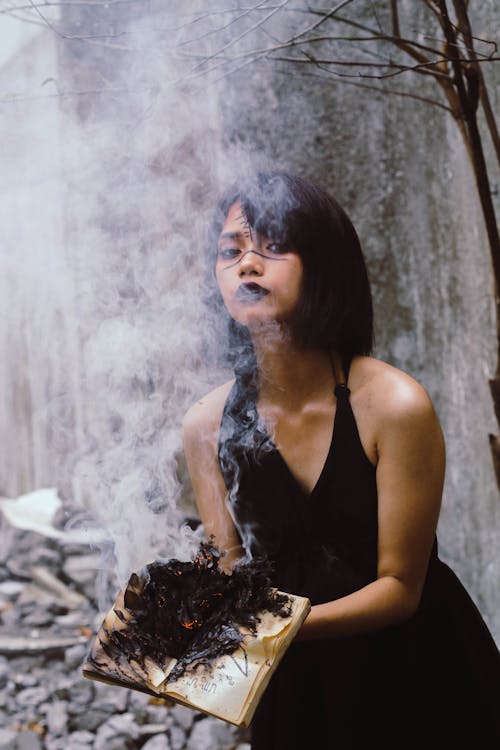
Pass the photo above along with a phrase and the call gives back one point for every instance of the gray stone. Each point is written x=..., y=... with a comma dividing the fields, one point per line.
x=35, y=596
x=82, y=568
x=148, y=729
x=43, y=556
x=10, y=590
x=39, y=618
x=82, y=694
x=183, y=716
x=25, y=680
x=57, y=718
x=11, y=617
x=27, y=740
x=16, y=568
x=177, y=737
x=25, y=542
x=78, y=740
x=211, y=733
x=111, y=699
x=65, y=596
x=4, y=672
x=32, y=696
x=88, y=719
x=118, y=743
x=119, y=725
x=7, y=700
x=55, y=743
x=147, y=712
x=159, y=742
x=75, y=655
x=7, y=739
x=70, y=620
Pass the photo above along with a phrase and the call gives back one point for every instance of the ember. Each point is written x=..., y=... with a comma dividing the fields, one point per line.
x=192, y=611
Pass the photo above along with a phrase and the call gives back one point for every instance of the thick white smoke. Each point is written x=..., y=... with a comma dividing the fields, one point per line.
x=114, y=143
x=118, y=166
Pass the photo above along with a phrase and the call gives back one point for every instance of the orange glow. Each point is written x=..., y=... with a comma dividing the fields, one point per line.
x=190, y=625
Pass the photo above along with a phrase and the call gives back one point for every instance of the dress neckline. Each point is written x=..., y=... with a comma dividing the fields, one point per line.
x=279, y=456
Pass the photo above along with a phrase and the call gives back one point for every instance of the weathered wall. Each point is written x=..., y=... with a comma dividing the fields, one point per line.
x=101, y=351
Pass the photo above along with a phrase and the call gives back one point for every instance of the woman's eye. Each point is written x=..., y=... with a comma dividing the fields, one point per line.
x=277, y=249
x=227, y=253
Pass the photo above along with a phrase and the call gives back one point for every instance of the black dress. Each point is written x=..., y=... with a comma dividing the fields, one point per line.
x=432, y=682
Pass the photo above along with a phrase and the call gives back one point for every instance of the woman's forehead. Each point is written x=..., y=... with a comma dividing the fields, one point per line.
x=236, y=223
x=235, y=214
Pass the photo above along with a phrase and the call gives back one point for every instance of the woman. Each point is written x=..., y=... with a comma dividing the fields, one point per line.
x=331, y=463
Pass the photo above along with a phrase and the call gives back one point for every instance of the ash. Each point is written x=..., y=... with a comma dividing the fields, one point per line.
x=48, y=617
x=193, y=610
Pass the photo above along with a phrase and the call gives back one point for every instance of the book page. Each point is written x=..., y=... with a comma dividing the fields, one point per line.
x=227, y=686
x=222, y=688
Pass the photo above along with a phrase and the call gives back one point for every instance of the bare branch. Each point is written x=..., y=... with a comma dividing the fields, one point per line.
x=380, y=89
x=372, y=38
x=324, y=18
x=432, y=6
x=73, y=3
x=395, y=18
x=15, y=98
x=375, y=15
x=469, y=50
x=225, y=26
x=72, y=37
x=411, y=48
x=399, y=67
x=24, y=19
x=375, y=33
x=244, y=33
x=466, y=31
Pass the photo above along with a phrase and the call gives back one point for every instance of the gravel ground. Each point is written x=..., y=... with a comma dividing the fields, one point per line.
x=48, y=616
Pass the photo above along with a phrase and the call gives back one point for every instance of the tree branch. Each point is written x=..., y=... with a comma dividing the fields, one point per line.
x=243, y=34
x=395, y=18
x=382, y=90
x=466, y=31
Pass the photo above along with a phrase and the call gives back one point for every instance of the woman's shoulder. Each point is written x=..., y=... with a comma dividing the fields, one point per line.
x=206, y=412
x=393, y=410
x=391, y=391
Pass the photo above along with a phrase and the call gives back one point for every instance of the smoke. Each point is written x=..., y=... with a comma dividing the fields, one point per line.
x=123, y=156
x=115, y=144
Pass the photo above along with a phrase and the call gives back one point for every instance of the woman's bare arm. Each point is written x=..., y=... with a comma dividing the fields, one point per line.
x=200, y=435
x=410, y=476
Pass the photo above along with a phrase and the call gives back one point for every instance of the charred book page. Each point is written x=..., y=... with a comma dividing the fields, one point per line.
x=189, y=632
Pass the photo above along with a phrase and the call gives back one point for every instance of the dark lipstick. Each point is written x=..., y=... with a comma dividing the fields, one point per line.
x=251, y=292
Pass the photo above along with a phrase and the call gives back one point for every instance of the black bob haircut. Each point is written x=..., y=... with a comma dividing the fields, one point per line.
x=335, y=311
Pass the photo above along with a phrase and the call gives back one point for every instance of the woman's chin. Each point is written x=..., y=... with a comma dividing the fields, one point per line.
x=254, y=319
x=269, y=331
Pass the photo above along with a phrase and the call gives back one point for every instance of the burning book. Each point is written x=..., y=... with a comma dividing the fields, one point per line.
x=191, y=633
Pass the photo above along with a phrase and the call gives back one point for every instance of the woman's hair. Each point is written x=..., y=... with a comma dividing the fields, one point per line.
x=335, y=311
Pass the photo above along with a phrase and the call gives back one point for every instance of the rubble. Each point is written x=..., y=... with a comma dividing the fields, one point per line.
x=48, y=618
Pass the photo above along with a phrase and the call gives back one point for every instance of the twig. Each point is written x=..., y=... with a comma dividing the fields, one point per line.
x=382, y=90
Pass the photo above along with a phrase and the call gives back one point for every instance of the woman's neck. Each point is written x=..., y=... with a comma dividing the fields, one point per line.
x=291, y=376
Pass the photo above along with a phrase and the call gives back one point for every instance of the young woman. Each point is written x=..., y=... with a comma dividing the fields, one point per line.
x=331, y=463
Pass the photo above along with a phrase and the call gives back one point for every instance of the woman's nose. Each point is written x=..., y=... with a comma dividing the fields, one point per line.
x=251, y=264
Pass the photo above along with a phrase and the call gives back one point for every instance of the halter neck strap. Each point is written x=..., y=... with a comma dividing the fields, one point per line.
x=346, y=366
x=341, y=389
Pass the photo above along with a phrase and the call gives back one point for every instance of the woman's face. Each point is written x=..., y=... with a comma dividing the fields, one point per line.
x=259, y=279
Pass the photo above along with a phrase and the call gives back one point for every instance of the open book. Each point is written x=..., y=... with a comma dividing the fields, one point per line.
x=228, y=688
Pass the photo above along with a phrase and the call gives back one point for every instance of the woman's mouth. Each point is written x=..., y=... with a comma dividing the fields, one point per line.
x=251, y=292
